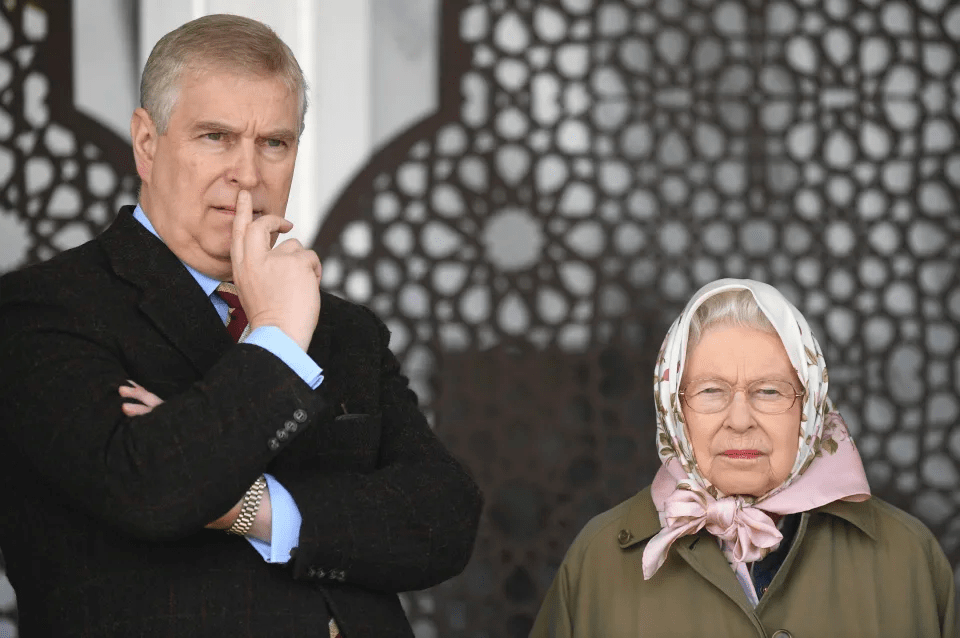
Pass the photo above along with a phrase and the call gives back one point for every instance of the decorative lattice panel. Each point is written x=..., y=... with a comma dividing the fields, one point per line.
x=62, y=175
x=592, y=164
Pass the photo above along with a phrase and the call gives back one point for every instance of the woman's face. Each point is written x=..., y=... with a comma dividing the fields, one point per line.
x=741, y=450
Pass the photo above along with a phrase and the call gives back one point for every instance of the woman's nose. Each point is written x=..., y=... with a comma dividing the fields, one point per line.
x=739, y=413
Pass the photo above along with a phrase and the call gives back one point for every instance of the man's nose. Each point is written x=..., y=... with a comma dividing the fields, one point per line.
x=739, y=412
x=244, y=170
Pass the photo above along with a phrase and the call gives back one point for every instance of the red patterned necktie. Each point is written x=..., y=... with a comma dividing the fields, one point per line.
x=237, y=324
x=238, y=327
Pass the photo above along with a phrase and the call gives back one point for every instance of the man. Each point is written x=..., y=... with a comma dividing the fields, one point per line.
x=136, y=431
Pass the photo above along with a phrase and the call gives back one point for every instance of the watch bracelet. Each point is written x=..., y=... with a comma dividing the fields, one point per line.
x=249, y=507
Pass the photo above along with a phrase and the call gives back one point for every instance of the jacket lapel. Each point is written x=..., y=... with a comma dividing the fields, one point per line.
x=701, y=551
x=170, y=297
x=703, y=554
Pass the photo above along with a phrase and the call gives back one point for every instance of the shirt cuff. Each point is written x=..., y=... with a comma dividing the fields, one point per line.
x=284, y=526
x=276, y=341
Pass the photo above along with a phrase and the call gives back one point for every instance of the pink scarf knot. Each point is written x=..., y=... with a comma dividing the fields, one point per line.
x=748, y=534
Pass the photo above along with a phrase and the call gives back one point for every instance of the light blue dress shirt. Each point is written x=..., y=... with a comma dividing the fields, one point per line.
x=285, y=526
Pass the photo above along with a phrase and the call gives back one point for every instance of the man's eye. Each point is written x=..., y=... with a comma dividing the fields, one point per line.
x=214, y=137
x=276, y=143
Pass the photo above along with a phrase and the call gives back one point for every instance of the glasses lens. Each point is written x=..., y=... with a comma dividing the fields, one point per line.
x=713, y=395
x=707, y=396
x=772, y=397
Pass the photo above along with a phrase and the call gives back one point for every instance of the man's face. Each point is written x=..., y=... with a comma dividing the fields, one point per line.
x=227, y=133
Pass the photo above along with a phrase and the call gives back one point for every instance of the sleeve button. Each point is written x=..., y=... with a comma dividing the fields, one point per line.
x=282, y=435
x=300, y=415
x=290, y=426
x=273, y=444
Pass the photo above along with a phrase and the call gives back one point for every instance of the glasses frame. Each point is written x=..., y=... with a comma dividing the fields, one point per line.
x=736, y=388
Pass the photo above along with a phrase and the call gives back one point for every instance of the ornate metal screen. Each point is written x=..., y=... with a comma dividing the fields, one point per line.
x=591, y=165
x=62, y=174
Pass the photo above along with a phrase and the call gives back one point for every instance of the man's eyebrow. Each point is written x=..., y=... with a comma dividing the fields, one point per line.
x=212, y=125
x=284, y=134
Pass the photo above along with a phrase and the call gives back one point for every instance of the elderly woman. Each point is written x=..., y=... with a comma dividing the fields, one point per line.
x=760, y=520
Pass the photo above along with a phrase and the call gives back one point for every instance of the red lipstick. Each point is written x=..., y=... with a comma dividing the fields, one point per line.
x=742, y=454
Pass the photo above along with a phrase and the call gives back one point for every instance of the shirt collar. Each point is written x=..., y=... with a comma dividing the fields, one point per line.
x=208, y=284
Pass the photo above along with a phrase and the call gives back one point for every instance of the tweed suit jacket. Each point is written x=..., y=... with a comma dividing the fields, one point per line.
x=102, y=516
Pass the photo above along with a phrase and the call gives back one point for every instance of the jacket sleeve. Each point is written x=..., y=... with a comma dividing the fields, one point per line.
x=946, y=589
x=408, y=524
x=554, y=619
x=156, y=477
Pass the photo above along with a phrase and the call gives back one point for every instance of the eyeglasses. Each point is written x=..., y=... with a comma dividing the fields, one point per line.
x=708, y=396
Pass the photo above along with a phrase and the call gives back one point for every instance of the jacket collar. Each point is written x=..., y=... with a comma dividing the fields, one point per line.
x=169, y=295
x=173, y=300
x=861, y=515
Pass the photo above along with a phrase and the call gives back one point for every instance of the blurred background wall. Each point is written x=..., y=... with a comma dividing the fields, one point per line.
x=529, y=191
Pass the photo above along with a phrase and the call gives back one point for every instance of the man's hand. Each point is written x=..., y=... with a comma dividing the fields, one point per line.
x=147, y=402
x=278, y=286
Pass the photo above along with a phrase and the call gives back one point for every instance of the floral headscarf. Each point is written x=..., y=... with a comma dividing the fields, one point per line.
x=827, y=467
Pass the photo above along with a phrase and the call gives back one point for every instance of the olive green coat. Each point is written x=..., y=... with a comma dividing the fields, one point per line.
x=855, y=569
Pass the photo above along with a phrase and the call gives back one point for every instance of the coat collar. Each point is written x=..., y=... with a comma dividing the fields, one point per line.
x=640, y=521
x=170, y=297
x=861, y=515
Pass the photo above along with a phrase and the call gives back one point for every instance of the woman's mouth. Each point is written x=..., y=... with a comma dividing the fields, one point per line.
x=742, y=454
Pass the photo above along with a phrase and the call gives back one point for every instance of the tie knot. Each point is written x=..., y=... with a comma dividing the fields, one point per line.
x=237, y=324
x=228, y=292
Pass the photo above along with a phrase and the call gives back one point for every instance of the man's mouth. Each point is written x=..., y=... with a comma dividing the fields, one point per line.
x=231, y=210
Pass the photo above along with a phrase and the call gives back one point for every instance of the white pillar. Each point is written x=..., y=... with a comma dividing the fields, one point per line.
x=332, y=41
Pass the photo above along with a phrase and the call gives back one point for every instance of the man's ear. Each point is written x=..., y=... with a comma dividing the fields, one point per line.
x=143, y=133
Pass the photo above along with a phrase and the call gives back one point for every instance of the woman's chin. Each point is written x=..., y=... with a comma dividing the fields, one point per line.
x=740, y=483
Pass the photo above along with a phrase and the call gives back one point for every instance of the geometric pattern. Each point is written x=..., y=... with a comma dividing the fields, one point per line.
x=590, y=166
x=62, y=174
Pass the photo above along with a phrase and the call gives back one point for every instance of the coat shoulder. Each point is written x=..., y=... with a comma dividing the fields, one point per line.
x=891, y=528
x=607, y=529
x=346, y=315
x=69, y=271
x=901, y=527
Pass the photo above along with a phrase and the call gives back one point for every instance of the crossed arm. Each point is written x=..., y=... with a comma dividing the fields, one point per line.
x=146, y=401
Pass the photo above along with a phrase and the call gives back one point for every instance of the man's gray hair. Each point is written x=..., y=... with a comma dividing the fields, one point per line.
x=219, y=42
x=728, y=308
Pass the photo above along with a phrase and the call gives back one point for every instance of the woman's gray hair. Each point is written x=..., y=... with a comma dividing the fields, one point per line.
x=217, y=42
x=728, y=308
